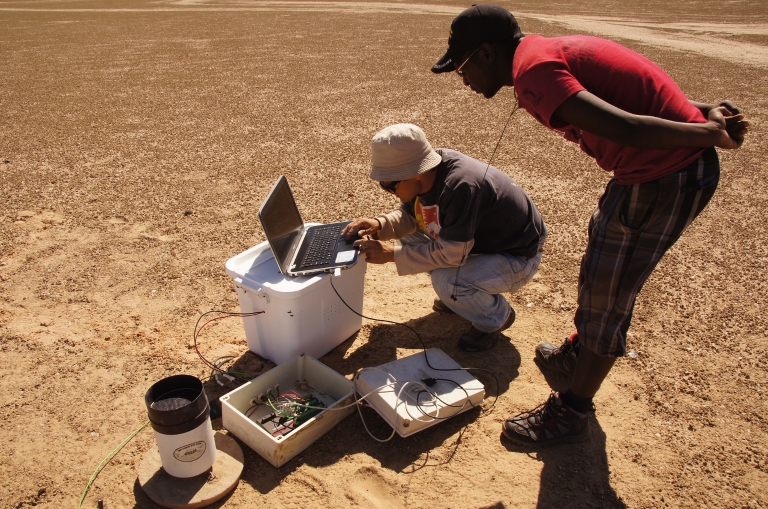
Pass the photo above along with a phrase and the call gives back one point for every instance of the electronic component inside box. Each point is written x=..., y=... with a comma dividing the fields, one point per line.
x=280, y=413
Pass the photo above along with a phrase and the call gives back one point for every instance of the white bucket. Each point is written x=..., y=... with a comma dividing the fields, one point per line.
x=179, y=413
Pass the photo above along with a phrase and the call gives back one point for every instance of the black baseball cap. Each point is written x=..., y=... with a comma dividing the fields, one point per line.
x=476, y=25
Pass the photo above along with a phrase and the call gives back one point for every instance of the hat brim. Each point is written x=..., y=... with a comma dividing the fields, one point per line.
x=445, y=64
x=406, y=171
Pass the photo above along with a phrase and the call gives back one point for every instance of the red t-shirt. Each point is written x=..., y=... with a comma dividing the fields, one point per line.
x=547, y=71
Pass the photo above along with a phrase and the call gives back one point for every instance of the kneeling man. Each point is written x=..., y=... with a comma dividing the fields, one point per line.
x=470, y=226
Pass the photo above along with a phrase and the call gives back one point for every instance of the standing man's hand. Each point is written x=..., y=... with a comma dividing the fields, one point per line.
x=732, y=127
x=705, y=108
x=730, y=106
x=376, y=251
x=361, y=227
x=728, y=118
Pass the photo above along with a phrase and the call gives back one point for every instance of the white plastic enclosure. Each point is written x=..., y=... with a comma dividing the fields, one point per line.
x=303, y=375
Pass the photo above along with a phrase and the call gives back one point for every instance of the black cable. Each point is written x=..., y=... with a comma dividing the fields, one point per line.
x=423, y=346
x=225, y=314
x=485, y=174
x=514, y=109
x=455, y=297
x=445, y=405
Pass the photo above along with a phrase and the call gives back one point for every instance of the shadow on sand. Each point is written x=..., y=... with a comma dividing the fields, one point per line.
x=349, y=436
x=573, y=475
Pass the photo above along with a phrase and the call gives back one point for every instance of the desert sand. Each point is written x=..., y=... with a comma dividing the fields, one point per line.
x=137, y=141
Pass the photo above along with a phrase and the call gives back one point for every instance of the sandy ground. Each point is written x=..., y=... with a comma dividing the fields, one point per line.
x=137, y=141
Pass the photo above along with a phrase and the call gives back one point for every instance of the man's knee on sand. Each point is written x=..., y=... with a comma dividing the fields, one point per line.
x=449, y=285
x=493, y=274
x=476, y=290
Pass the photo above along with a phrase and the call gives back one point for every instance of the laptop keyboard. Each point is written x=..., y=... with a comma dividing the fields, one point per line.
x=323, y=244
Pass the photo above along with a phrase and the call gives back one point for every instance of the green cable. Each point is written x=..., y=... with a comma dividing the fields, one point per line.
x=128, y=439
x=269, y=401
x=106, y=460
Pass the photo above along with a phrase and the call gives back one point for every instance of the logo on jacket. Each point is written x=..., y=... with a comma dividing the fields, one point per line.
x=428, y=218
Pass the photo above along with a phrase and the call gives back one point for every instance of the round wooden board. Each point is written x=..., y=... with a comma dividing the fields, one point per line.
x=191, y=492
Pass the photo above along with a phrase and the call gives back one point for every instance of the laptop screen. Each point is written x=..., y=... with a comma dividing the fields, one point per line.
x=281, y=222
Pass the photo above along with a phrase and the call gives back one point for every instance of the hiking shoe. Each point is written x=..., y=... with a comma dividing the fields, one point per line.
x=553, y=422
x=476, y=340
x=440, y=307
x=558, y=360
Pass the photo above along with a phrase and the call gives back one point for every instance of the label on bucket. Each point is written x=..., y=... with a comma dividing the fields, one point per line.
x=190, y=452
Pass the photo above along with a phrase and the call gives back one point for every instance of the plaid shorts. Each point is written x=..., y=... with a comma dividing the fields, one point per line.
x=630, y=230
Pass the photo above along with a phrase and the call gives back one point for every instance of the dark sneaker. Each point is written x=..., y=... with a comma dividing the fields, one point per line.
x=558, y=360
x=476, y=340
x=554, y=422
x=440, y=307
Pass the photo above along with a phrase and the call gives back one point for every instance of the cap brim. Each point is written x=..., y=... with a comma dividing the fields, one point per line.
x=445, y=64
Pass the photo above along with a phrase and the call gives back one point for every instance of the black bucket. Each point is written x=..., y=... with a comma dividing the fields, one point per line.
x=177, y=404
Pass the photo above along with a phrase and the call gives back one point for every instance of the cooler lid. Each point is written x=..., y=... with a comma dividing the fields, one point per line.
x=256, y=269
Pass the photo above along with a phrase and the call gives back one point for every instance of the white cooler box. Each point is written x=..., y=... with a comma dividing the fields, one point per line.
x=302, y=315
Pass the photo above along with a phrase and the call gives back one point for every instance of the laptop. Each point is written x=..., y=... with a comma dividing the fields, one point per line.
x=300, y=250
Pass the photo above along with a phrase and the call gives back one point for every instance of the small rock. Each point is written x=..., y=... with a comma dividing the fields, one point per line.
x=632, y=354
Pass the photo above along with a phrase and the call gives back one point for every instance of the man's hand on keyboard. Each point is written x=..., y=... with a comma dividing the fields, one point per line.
x=376, y=251
x=361, y=227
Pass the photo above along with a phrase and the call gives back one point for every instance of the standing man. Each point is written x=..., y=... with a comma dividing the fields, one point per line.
x=470, y=226
x=632, y=118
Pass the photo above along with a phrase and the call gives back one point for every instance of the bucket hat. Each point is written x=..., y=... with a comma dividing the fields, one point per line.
x=401, y=152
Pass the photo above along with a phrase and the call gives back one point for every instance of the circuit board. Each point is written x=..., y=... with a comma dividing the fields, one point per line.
x=289, y=411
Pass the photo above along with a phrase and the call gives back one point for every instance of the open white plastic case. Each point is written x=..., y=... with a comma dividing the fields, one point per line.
x=303, y=376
